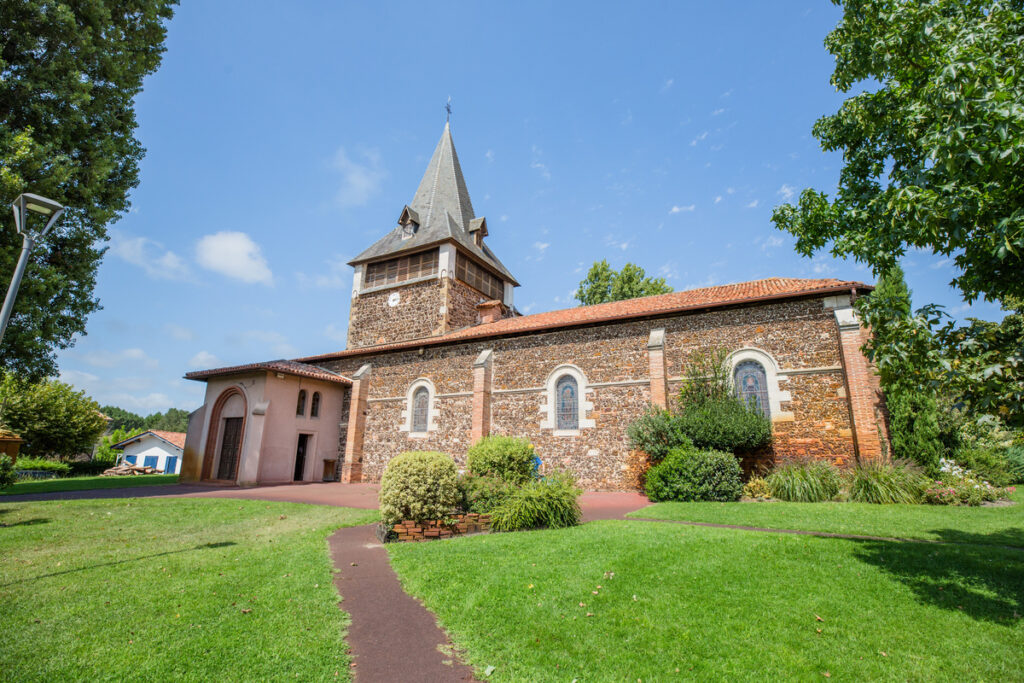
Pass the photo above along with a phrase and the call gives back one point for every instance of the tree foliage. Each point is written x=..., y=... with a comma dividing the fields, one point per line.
x=603, y=284
x=933, y=160
x=53, y=418
x=106, y=454
x=69, y=72
x=174, y=420
x=121, y=419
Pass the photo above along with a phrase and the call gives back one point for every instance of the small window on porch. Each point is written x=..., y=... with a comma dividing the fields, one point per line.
x=300, y=408
x=314, y=405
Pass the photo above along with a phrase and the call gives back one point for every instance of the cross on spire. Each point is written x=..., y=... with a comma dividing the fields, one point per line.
x=448, y=108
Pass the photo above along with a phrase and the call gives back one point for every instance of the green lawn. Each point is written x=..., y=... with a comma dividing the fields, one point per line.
x=704, y=603
x=84, y=483
x=156, y=589
x=993, y=525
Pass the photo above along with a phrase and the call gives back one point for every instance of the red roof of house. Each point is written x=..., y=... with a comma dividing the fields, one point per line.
x=645, y=307
x=173, y=438
x=285, y=367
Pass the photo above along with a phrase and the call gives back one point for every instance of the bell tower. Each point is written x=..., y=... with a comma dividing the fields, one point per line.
x=428, y=275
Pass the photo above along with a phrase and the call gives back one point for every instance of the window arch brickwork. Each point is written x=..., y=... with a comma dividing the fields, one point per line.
x=564, y=383
x=775, y=395
x=421, y=414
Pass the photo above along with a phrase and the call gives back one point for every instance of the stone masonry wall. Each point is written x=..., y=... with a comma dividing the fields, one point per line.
x=417, y=314
x=800, y=335
x=462, y=301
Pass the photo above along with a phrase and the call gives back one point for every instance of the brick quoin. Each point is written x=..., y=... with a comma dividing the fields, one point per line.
x=352, y=467
x=867, y=405
x=481, y=396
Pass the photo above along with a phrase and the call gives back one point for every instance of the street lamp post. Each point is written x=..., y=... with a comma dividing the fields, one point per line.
x=25, y=205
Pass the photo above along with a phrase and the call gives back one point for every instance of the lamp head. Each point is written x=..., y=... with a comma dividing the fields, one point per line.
x=32, y=203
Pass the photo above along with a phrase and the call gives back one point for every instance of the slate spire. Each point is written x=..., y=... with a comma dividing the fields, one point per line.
x=443, y=188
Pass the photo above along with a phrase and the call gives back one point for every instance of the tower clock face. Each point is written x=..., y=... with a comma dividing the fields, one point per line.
x=394, y=299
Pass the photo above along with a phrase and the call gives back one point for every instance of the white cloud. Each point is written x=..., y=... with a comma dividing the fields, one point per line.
x=539, y=165
x=489, y=155
x=718, y=199
x=336, y=333
x=359, y=181
x=235, y=255
x=178, y=332
x=77, y=378
x=614, y=243
x=771, y=242
x=718, y=111
x=730, y=190
x=822, y=264
x=681, y=209
x=337, y=276
x=709, y=281
x=113, y=359
x=702, y=136
x=541, y=247
x=528, y=307
x=787, y=192
x=503, y=218
x=669, y=271
x=204, y=359
x=939, y=264
x=667, y=85
x=753, y=204
x=275, y=341
x=158, y=263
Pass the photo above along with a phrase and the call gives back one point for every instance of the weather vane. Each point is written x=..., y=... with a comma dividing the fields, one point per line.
x=448, y=108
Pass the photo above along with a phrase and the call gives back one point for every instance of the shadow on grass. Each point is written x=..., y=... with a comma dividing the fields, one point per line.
x=966, y=572
x=204, y=546
x=25, y=522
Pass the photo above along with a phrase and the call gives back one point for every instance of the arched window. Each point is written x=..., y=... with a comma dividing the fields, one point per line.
x=420, y=410
x=300, y=408
x=752, y=385
x=567, y=406
x=314, y=405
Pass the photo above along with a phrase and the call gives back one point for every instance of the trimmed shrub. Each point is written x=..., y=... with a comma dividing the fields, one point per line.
x=805, y=481
x=89, y=468
x=987, y=464
x=914, y=427
x=1015, y=464
x=483, y=495
x=7, y=477
x=657, y=432
x=418, y=485
x=725, y=425
x=757, y=488
x=691, y=475
x=543, y=503
x=874, y=481
x=61, y=469
x=504, y=457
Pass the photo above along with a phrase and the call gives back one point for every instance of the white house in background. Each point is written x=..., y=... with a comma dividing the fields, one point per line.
x=155, y=448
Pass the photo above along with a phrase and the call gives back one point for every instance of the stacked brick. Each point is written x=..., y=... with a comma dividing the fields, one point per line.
x=470, y=523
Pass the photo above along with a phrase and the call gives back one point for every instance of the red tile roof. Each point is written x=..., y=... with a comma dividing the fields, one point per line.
x=286, y=367
x=173, y=438
x=650, y=306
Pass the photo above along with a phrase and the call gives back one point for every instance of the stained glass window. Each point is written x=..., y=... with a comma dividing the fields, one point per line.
x=752, y=385
x=420, y=406
x=314, y=405
x=567, y=407
x=300, y=407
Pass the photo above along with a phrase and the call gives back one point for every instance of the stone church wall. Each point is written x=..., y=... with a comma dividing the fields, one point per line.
x=801, y=336
x=417, y=314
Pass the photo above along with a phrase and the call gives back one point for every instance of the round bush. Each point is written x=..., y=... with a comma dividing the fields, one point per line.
x=418, y=485
x=656, y=432
x=725, y=425
x=504, y=457
x=689, y=475
x=813, y=481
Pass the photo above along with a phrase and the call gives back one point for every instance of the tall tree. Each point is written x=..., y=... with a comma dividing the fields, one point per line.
x=603, y=284
x=913, y=404
x=121, y=419
x=69, y=73
x=933, y=151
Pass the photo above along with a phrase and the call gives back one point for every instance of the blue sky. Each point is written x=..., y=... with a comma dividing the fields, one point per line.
x=283, y=138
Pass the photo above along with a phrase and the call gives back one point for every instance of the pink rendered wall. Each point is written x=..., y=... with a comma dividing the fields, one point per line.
x=282, y=428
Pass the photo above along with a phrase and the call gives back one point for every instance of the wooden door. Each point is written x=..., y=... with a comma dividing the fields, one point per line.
x=300, y=457
x=230, y=446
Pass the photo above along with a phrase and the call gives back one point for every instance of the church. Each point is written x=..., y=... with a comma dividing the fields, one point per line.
x=438, y=357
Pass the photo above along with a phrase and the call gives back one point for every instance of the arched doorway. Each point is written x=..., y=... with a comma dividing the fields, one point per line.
x=226, y=436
